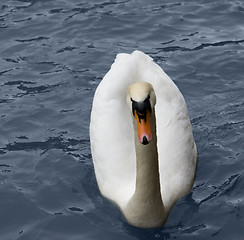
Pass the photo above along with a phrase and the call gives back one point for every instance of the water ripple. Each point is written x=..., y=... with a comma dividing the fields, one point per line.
x=200, y=47
x=67, y=145
x=224, y=188
x=41, y=38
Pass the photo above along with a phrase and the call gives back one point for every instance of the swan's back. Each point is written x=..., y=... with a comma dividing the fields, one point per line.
x=112, y=139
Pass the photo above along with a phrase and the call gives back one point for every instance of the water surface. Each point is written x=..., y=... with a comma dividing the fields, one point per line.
x=53, y=54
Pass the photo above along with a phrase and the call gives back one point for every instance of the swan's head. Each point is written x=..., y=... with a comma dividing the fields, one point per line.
x=141, y=100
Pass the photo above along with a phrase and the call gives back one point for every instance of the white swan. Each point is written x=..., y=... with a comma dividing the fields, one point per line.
x=141, y=140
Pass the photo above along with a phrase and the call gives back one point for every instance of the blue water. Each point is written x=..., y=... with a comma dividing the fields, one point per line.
x=53, y=54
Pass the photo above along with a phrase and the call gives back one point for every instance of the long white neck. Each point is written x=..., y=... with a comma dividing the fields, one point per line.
x=145, y=208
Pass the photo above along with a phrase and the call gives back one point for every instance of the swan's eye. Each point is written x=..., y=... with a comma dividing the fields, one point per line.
x=132, y=100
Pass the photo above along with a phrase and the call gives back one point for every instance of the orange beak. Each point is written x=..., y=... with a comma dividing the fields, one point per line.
x=143, y=127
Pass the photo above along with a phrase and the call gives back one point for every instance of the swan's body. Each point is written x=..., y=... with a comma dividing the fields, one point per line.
x=145, y=181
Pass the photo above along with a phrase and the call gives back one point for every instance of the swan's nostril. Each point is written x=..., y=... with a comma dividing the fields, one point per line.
x=145, y=141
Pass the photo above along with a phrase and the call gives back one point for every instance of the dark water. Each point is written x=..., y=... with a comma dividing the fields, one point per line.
x=53, y=54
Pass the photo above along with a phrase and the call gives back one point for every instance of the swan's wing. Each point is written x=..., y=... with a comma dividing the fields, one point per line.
x=111, y=133
x=176, y=146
